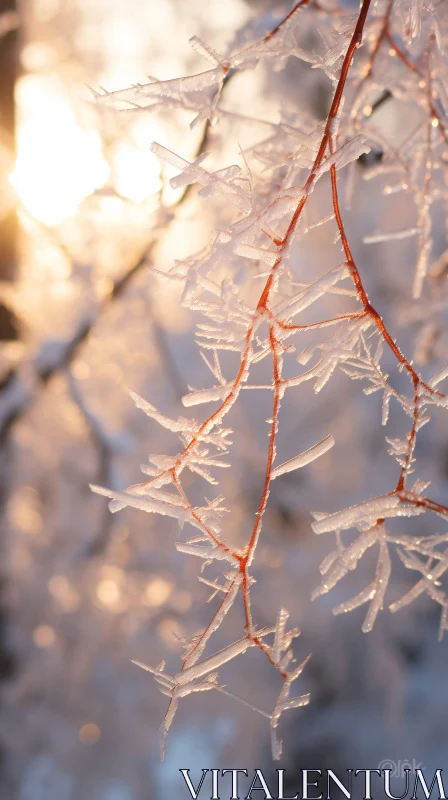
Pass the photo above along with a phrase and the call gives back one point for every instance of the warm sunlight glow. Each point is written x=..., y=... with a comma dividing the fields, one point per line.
x=59, y=163
x=108, y=592
x=136, y=173
x=89, y=733
x=157, y=592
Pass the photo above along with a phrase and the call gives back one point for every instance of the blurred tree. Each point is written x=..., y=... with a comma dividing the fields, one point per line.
x=9, y=67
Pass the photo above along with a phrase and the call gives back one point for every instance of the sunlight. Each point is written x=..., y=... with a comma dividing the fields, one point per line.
x=58, y=163
x=136, y=173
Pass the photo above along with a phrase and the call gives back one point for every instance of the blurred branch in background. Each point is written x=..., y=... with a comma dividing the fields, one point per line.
x=9, y=71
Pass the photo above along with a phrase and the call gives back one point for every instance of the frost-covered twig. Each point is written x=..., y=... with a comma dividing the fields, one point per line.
x=266, y=222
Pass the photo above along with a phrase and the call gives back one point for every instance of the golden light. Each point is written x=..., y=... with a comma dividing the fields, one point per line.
x=181, y=601
x=44, y=636
x=136, y=172
x=89, y=733
x=170, y=632
x=23, y=514
x=64, y=593
x=108, y=592
x=157, y=592
x=58, y=163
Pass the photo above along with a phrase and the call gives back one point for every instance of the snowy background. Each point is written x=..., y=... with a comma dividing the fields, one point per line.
x=84, y=591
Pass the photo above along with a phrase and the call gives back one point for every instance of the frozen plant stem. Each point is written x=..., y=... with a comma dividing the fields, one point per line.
x=235, y=326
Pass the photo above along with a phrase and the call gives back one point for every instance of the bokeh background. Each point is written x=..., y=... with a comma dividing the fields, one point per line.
x=87, y=214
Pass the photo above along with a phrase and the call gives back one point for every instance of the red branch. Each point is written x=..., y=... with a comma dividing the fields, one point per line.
x=262, y=311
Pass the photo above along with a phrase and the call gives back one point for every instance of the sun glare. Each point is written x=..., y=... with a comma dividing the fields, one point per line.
x=136, y=173
x=58, y=163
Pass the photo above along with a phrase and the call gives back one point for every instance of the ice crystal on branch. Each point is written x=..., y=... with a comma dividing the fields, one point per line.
x=268, y=213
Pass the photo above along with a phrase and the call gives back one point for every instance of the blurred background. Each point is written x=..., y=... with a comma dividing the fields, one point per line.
x=86, y=214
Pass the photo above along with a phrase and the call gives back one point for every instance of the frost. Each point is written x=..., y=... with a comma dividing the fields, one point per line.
x=375, y=592
x=214, y=662
x=279, y=640
x=369, y=511
x=287, y=309
x=258, y=253
x=205, y=50
x=373, y=238
x=208, y=553
x=205, y=395
x=223, y=181
x=345, y=155
x=281, y=297
x=304, y=458
x=439, y=377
